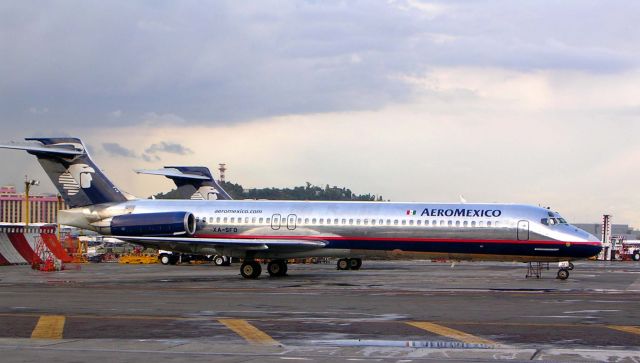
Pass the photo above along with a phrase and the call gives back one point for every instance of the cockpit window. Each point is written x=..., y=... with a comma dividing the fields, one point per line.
x=553, y=221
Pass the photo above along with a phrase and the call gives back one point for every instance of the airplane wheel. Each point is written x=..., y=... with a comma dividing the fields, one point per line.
x=343, y=264
x=355, y=263
x=219, y=260
x=277, y=268
x=165, y=259
x=250, y=270
x=563, y=274
x=570, y=266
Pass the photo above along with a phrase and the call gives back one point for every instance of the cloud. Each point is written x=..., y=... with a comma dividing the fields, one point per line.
x=168, y=147
x=232, y=62
x=115, y=149
x=493, y=135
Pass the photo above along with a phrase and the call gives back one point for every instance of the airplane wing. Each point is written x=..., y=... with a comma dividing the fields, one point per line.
x=239, y=243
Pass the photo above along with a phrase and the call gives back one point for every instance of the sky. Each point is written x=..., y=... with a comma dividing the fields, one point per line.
x=532, y=102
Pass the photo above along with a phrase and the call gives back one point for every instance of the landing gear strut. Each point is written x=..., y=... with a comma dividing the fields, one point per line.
x=349, y=264
x=250, y=269
x=277, y=268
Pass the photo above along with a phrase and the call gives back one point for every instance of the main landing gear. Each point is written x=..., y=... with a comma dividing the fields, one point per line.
x=252, y=269
x=535, y=269
x=349, y=264
x=277, y=268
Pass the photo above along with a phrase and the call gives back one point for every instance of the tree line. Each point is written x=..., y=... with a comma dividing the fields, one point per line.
x=303, y=192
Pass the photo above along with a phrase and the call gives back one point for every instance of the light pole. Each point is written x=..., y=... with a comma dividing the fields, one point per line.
x=27, y=185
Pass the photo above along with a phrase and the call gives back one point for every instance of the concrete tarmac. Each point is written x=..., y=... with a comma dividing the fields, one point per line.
x=388, y=311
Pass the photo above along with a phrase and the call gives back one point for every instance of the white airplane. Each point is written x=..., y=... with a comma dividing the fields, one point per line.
x=278, y=230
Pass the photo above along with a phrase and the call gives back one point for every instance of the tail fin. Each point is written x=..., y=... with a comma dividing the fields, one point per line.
x=194, y=181
x=68, y=164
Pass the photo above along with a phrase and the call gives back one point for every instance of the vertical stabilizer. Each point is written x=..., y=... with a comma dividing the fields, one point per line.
x=68, y=164
x=193, y=181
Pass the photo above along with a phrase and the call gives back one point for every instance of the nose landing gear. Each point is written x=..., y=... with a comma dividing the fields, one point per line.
x=563, y=274
x=349, y=264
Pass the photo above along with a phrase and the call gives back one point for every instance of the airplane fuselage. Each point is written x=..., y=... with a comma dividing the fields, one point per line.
x=510, y=232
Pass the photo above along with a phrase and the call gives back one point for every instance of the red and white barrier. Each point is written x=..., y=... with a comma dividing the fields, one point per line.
x=18, y=243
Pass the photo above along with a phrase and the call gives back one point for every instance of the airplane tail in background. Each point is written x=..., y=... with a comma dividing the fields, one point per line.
x=194, y=181
x=68, y=164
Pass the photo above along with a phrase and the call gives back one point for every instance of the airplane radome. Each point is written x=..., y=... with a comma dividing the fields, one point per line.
x=278, y=230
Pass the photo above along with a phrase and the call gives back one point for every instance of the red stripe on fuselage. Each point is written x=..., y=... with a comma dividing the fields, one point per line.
x=392, y=239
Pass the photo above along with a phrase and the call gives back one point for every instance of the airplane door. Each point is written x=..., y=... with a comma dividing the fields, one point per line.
x=523, y=230
x=291, y=222
x=275, y=221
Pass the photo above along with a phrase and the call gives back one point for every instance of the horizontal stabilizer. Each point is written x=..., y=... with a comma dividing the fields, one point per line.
x=172, y=173
x=39, y=148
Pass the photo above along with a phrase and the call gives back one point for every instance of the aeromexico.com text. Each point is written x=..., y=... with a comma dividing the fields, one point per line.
x=461, y=212
x=239, y=211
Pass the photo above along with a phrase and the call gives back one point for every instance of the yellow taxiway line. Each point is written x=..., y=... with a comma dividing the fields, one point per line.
x=626, y=328
x=451, y=333
x=49, y=327
x=249, y=332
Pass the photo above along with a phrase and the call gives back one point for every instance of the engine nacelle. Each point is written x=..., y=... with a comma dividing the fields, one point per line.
x=154, y=224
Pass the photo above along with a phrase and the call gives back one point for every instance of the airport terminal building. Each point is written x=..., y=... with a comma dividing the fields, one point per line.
x=42, y=208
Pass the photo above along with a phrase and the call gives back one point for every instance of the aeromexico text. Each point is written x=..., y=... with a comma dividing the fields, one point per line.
x=461, y=212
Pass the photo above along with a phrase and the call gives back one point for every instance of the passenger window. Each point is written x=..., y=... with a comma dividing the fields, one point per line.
x=306, y=221
x=488, y=224
x=381, y=221
x=395, y=222
x=335, y=221
x=419, y=222
x=373, y=222
x=357, y=221
x=246, y=219
x=260, y=220
x=253, y=220
x=233, y=219
x=313, y=221
x=404, y=222
x=442, y=223
x=388, y=222
x=449, y=223
x=268, y=220
x=344, y=221
x=328, y=220
x=480, y=224
x=366, y=222
x=217, y=219
x=465, y=224
x=497, y=224
x=457, y=223
x=210, y=219
x=426, y=223
x=473, y=223
x=321, y=220
x=411, y=222
x=225, y=219
x=299, y=220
